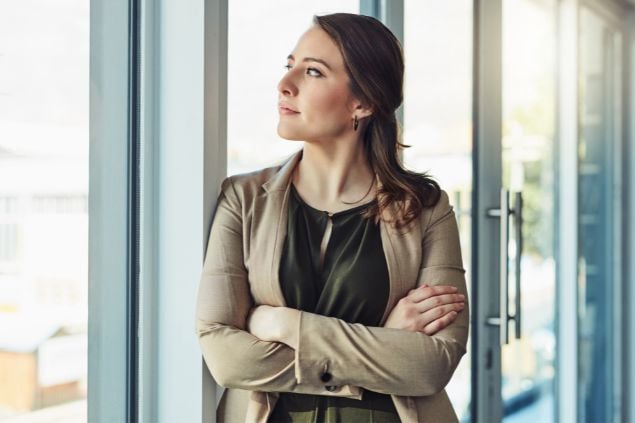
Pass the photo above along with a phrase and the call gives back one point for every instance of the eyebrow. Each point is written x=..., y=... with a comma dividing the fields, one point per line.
x=311, y=59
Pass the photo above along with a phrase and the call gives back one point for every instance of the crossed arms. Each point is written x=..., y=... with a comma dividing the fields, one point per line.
x=386, y=360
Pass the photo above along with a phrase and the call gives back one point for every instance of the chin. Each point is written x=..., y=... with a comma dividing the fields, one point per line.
x=289, y=135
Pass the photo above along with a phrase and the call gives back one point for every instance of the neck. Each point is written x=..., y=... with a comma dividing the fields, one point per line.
x=336, y=172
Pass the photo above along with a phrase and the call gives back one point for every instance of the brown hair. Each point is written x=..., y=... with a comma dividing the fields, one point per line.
x=374, y=62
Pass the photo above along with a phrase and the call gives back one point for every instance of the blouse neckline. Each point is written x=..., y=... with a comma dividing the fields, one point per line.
x=336, y=214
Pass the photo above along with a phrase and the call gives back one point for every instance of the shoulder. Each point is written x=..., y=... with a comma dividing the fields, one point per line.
x=248, y=184
x=427, y=218
x=441, y=211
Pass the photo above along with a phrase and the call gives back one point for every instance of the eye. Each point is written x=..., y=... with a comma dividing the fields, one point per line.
x=319, y=74
x=309, y=71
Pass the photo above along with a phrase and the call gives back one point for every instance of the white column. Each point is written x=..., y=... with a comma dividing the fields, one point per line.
x=108, y=212
x=567, y=245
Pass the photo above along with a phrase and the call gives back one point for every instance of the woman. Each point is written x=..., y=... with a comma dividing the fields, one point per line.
x=333, y=287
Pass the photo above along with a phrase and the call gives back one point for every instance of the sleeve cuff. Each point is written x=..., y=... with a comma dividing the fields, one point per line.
x=315, y=371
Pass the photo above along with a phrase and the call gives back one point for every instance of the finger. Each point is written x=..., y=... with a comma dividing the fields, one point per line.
x=438, y=312
x=414, y=289
x=429, y=290
x=440, y=323
x=422, y=293
x=438, y=301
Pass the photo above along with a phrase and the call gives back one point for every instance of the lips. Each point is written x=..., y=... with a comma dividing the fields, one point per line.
x=287, y=107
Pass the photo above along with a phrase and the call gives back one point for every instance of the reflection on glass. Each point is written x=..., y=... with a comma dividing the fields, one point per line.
x=598, y=239
x=528, y=145
x=437, y=123
x=255, y=65
x=43, y=210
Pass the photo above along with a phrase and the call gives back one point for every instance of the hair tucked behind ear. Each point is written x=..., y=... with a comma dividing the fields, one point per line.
x=374, y=62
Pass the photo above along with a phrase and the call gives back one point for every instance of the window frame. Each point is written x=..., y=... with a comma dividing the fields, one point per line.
x=108, y=210
x=628, y=413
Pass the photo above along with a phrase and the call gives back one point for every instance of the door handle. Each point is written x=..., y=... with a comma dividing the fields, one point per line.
x=518, y=223
x=503, y=213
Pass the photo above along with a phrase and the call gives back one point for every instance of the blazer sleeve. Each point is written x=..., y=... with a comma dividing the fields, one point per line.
x=236, y=358
x=388, y=360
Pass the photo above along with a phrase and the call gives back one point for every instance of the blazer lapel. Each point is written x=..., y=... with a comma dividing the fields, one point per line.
x=269, y=227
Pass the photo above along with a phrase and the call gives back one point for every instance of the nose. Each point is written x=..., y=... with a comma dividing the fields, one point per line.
x=286, y=85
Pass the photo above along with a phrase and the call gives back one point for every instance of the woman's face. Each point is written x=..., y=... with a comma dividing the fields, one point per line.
x=316, y=86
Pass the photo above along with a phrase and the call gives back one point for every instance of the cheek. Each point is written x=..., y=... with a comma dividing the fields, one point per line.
x=330, y=101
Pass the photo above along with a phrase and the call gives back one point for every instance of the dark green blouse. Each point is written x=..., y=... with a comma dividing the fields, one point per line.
x=353, y=286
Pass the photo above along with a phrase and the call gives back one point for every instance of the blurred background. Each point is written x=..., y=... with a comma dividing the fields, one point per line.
x=565, y=143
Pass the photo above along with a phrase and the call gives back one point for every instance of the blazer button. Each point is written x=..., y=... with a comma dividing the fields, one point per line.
x=326, y=376
x=331, y=388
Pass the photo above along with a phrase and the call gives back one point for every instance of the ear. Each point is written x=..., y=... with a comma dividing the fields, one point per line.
x=360, y=110
x=363, y=112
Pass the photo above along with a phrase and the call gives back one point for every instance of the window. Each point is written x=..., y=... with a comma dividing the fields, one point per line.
x=43, y=209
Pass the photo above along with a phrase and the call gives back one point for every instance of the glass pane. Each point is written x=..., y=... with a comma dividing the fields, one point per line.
x=255, y=65
x=598, y=236
x=529, y=99
x=437, y=123
x=43, y=210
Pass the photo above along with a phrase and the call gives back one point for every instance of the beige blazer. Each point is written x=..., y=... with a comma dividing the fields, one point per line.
x=240, y=271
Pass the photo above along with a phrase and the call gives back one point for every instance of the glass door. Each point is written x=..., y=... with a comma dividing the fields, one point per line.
x=517, y=190
x=528, y=146
x=599, y=229
x=514, y=196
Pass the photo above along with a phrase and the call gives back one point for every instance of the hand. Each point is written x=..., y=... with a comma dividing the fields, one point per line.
x=426, y=309
x=275, y=324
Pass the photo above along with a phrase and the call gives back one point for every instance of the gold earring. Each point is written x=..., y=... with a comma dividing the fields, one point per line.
x=355, y=123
